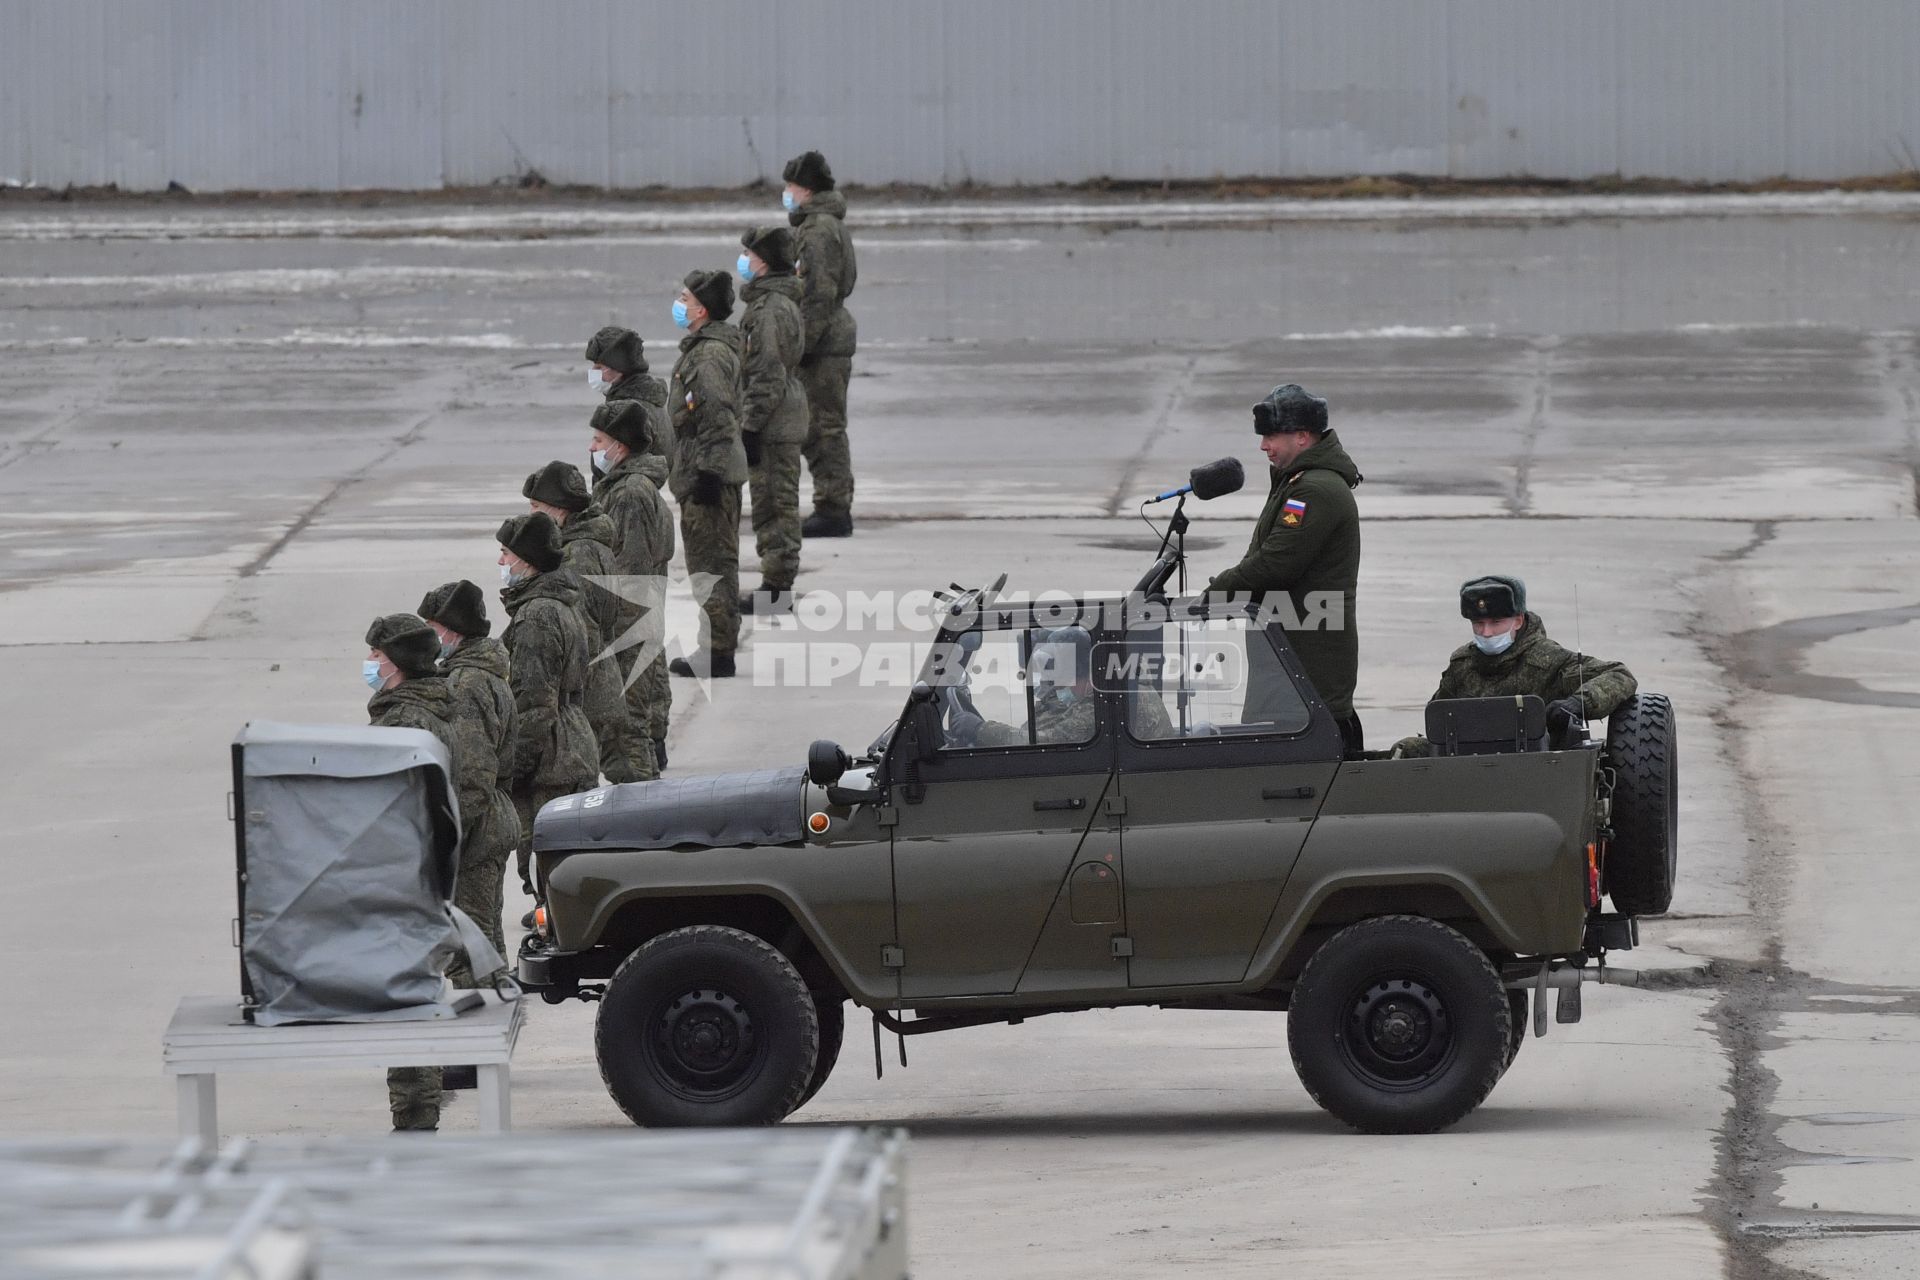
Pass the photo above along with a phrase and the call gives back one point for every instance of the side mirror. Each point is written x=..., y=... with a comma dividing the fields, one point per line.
x=826, y=762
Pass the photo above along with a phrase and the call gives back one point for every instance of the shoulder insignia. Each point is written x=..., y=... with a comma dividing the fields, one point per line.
x=1292, y=512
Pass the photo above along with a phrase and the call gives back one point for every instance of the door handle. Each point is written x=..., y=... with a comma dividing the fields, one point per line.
x=1287, y=793
x=1074, y=802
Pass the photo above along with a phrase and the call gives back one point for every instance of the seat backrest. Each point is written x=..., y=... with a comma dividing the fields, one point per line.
x=1487, y=726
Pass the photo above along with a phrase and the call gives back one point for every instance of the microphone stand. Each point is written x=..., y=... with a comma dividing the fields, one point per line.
x=1177, y=535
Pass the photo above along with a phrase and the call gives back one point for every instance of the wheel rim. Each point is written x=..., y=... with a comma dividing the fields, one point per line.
x=1398, y=1033
x=702, y=1044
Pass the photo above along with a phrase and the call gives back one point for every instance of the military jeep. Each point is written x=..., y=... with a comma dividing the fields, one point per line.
x=1180, y=831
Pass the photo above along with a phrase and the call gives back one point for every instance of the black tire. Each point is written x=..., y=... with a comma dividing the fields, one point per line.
x=833, y=1030
x=1517, y=1014
x=706, y=1026
x=1399, y=1025
x=1643, y=856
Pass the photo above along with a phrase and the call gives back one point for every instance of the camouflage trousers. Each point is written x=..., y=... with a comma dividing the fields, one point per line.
x=413, y=1096
x=775, y=490
x=527, y=801
x=711, y=537
x=493, y=833
x=650, y=697
x=828, y=458
x=626, y=751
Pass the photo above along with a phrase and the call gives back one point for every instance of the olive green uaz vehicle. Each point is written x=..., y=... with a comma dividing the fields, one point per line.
x=1146, y=807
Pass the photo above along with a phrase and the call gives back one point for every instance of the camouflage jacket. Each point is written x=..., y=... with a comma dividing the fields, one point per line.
x=828, y=270
x=773, y=402
x=642, y=536
x=1536, y=664
x=704, y=405
x=586, y=545
x=425, y=702
x=651, y=392
x=1307, y=541
x=553, y=745
x=482, y=714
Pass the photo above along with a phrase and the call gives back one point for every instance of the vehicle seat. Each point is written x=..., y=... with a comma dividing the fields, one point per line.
x=1487, y=726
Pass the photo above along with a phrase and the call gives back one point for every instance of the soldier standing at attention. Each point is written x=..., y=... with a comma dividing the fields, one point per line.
x=773, y=411
x=1307, y=541
x=586, y=547
x=617, y=369
x=824, y=253
x=402, y=669
x=630, y=470
x=1511, y=655
x=709, y=463
x=554, y=752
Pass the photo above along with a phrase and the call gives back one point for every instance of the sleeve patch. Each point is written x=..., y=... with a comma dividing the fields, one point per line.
x=1293, y=512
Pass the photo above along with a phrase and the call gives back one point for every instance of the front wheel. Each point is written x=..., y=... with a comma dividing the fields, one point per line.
x=1399, y=1024
x=706, y=1026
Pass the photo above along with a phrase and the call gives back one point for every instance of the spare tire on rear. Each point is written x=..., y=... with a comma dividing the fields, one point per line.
x=1643, y=854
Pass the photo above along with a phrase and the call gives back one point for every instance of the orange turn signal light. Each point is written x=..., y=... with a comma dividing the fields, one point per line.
x=1593, y=875
x=540, y=921
x=819, y=823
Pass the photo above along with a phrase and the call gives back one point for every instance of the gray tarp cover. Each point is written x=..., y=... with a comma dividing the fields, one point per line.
x=719, y=810
x=352, y=841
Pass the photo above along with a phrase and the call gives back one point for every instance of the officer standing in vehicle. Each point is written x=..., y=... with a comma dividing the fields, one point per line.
x=1306, y=542
x=773, y=412
x=630, y=470
x=709, y=463
x=828, y=270
x=402, y=669
x=586, y=545
x=554, y=751
x=1511, y=655
x=481, y=716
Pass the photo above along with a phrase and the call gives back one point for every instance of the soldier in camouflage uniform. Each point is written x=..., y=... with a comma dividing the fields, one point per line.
x=617, y=369
x=554, y=751
x=709, y=463
x=476, y=670
x=773, y=411
x=586, y=544
x=1511, y=655
x=828, y=270
x=402, y=669
x=631, y=470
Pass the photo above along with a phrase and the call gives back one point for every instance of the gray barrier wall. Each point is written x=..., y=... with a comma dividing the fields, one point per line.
x=347, y=94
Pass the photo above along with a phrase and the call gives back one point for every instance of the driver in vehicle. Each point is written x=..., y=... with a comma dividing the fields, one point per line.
x=1064, y=704
x=1511, y=655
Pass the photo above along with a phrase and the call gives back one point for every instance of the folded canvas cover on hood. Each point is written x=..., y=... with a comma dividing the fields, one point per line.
x=348, y=839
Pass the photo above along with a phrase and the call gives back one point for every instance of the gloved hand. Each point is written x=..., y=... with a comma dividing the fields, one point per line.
x=1562, y=713
x=707, y=488
x=751, y=439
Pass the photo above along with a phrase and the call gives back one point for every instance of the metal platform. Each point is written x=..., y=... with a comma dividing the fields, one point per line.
x=802, y=1203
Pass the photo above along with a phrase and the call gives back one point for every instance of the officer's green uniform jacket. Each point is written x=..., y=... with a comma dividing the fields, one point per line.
x=828, y=269
x=651, y=392
x=1301, y=551
x=1535, y=664
x=482, y=718
x=553, y=744
x=773, y=403
x=703, y=403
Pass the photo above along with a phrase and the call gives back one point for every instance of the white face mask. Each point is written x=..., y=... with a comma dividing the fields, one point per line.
x=1491, y=645
x=597, y=382
x=507, y=577
x=599, y=459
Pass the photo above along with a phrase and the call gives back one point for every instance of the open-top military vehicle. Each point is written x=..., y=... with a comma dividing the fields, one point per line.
x=1180, y=830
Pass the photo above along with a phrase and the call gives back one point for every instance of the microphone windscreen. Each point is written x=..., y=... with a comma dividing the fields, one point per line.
x=1217, y=478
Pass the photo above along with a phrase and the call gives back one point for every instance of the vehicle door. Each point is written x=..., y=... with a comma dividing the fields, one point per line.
x=1225, y=754
x=987, y=823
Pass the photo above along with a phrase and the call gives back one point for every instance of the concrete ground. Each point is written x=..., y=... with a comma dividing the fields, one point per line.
x=1698, y=439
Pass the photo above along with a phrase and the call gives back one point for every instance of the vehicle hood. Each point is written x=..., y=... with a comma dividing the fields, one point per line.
x=722, y=810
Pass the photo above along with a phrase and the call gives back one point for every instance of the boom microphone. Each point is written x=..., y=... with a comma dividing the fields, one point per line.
x=1215, y=479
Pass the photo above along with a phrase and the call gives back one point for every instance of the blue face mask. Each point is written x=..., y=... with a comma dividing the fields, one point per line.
x=680, y=313
x=370, y=672
x=745, y=268
x=1065, y=697
x=447, y=647
x=1491, y=645
x=787, y=201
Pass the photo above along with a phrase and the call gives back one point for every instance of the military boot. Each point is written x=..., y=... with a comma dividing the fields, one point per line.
x=767, y=601
x=827, y=524
x=716, y=666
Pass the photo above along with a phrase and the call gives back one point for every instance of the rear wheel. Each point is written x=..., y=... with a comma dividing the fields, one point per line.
x=1399, y=1025
x=706, y=1026
x=1643, y=855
